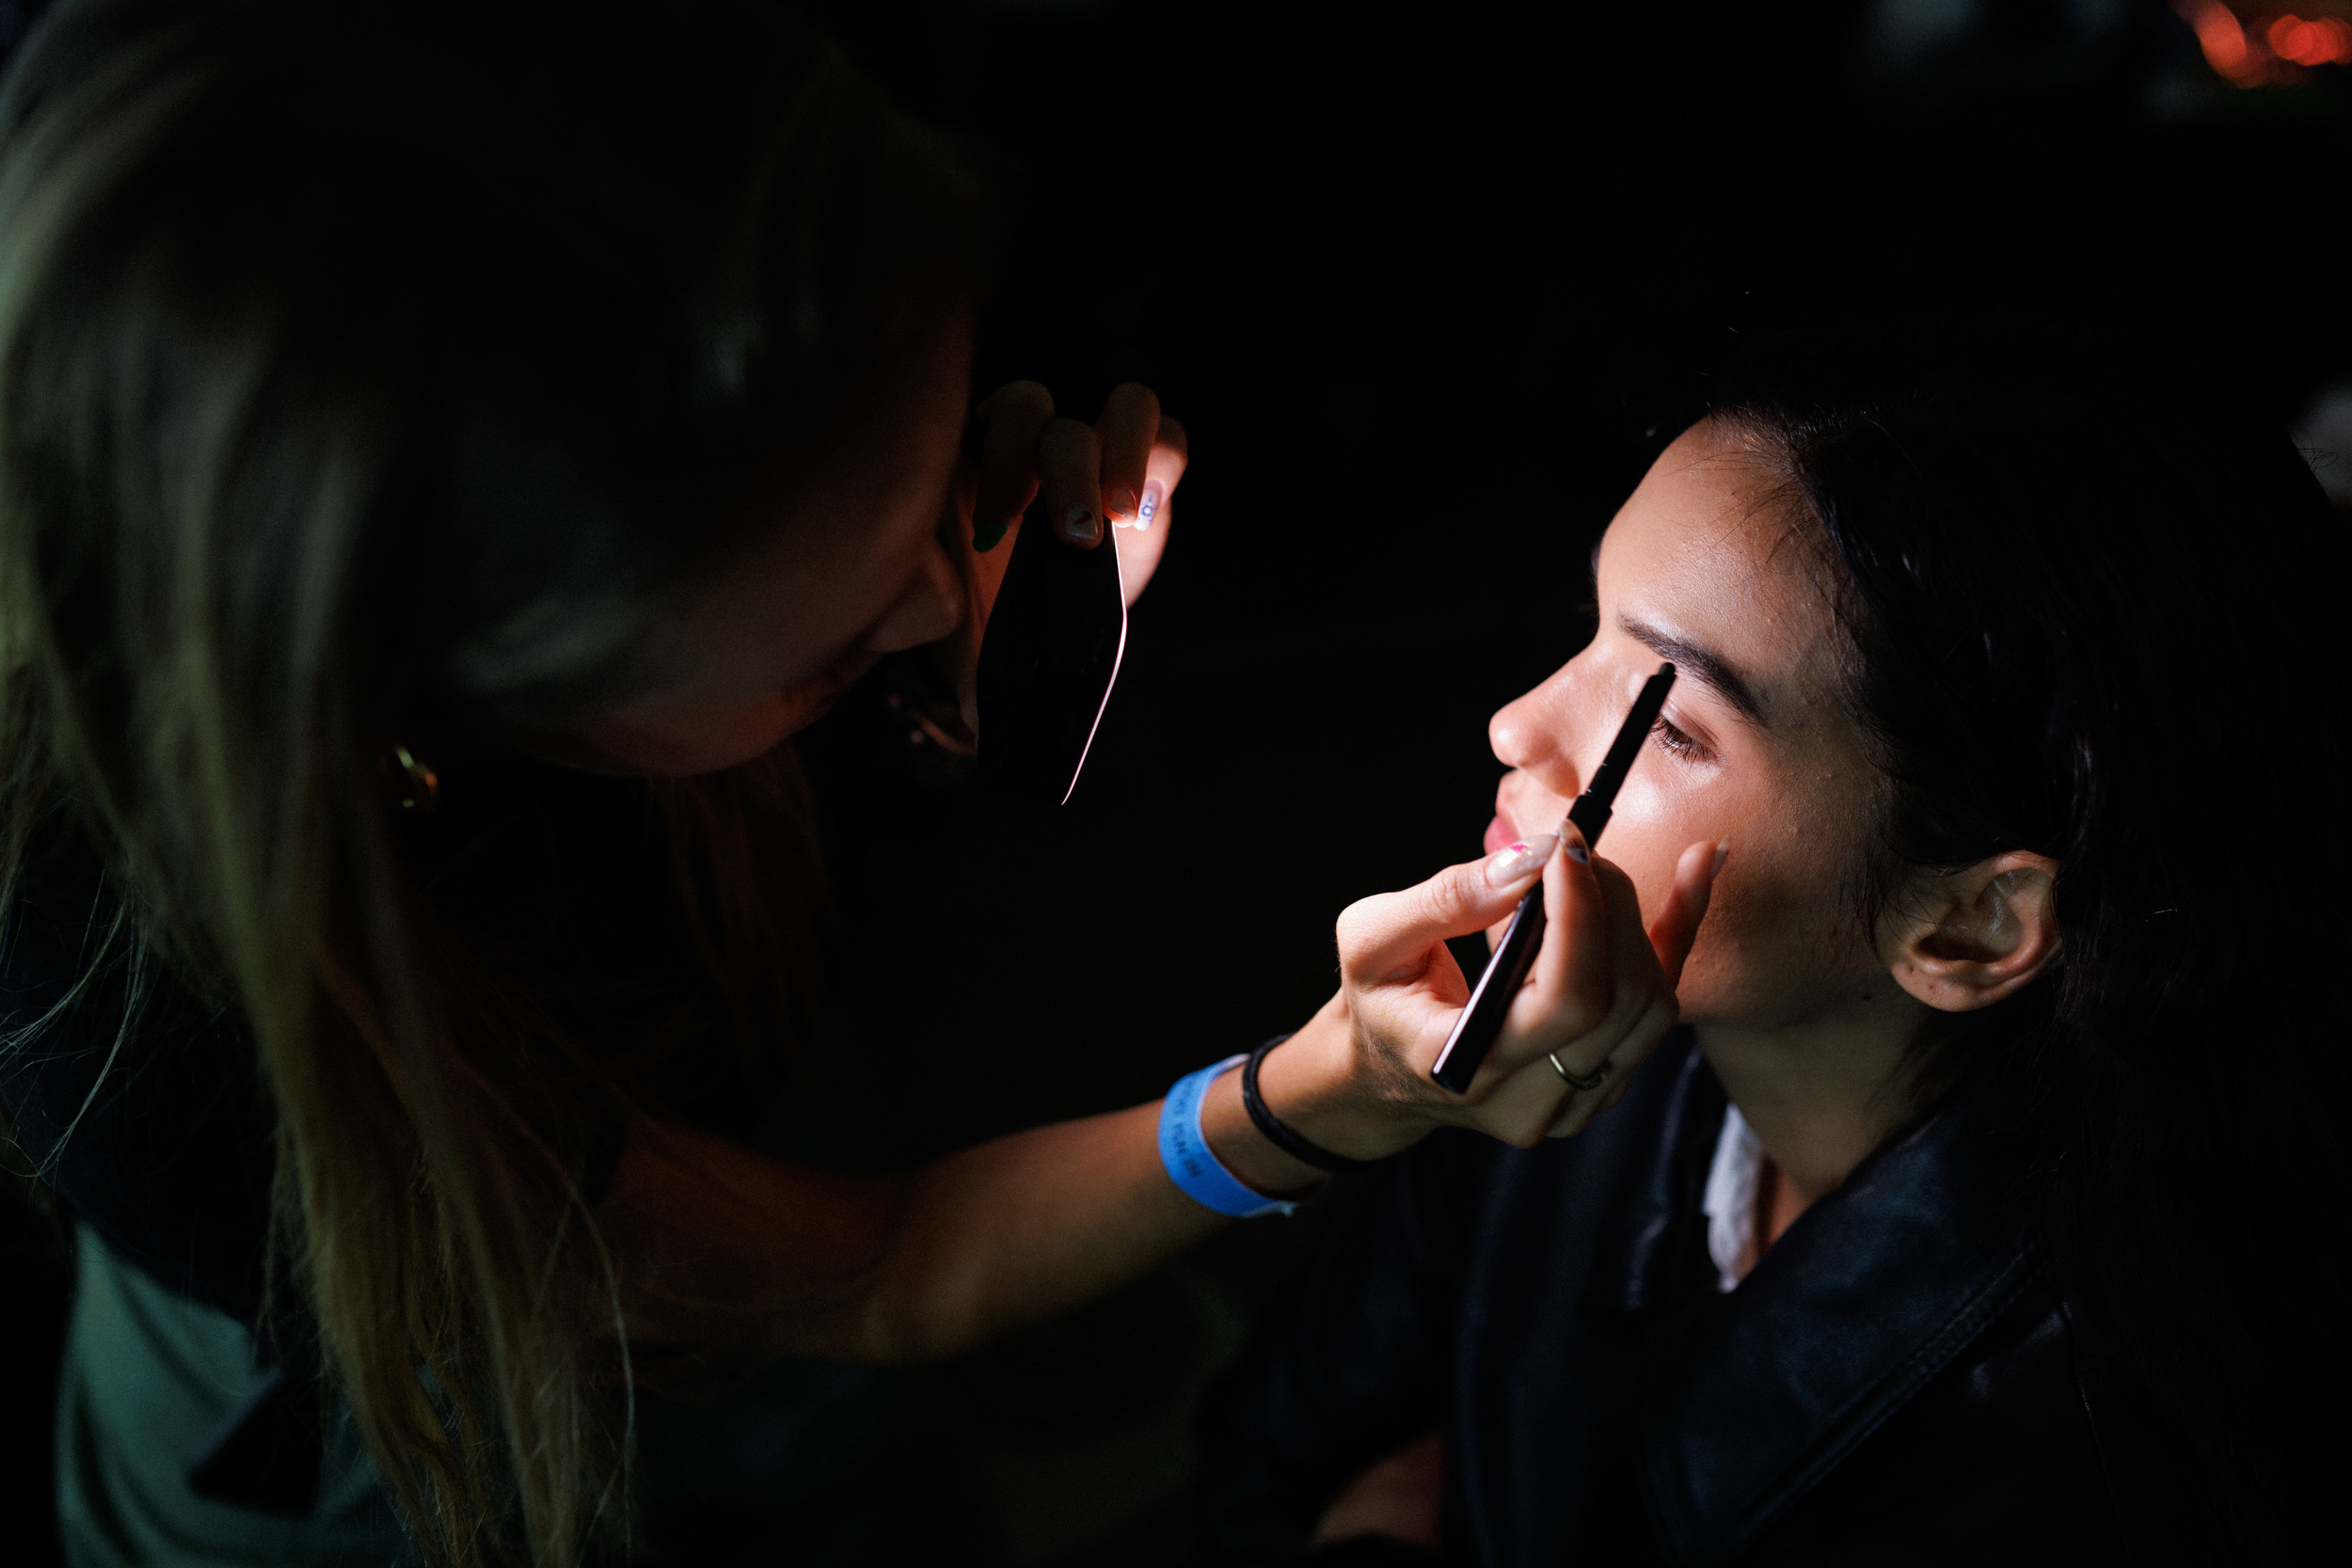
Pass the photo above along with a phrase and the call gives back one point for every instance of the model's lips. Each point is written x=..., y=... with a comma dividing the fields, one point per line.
x=1500, y=836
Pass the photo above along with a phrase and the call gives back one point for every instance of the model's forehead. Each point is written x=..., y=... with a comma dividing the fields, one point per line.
x=1711, y=550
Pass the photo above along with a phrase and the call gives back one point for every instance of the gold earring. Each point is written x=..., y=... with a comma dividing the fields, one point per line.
x=420, y=787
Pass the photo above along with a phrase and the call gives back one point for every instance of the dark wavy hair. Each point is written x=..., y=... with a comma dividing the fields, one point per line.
x=2090, y=617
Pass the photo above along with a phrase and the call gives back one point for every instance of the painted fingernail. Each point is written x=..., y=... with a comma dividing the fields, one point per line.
x=1121, y=505
x=987, y=536
x=1722, y=853
x=1078, y=527
x=1148, y=509
x=1573, y=845
x=1514, y=861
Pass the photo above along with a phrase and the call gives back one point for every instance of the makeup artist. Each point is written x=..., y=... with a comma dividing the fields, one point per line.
x=439, y=474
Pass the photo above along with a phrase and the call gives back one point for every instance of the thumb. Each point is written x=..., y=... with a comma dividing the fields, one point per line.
x=1677, y=924
x=1389, y=933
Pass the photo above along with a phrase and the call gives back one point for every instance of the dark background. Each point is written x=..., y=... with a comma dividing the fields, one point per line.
x=1429, y=286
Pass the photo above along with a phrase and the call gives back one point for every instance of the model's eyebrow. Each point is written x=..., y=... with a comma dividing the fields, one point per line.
x=1705, y=665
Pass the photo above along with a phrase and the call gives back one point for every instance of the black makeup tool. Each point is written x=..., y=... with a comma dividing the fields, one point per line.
x=1480, y=1020
x=1047, y=662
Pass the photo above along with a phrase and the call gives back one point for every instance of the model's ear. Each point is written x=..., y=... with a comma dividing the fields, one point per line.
x=1966, y=939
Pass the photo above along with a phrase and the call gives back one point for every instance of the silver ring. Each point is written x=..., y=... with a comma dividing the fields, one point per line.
x=1581, y=1086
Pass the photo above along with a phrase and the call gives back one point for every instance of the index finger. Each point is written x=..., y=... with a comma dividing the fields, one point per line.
x=1008, y=423
x=1389, y=935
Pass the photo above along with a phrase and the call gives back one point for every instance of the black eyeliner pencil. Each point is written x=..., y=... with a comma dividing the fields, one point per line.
x=1481, y=1019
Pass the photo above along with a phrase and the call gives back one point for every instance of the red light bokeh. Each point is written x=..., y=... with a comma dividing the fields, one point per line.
x=2250, y=46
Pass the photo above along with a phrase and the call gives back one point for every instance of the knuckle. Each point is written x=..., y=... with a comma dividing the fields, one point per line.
x=1010, y=422
x=1526, y=1134
x=1007, y=498
x=1134, y=401
x=1436, y=900
x=1585, y=1008
x=1066, y=437
x=1655, y=1021
x=1027, y=399
x=1352, y=927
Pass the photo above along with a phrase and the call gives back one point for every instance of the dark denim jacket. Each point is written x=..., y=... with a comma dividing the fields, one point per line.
x=1898, y=1381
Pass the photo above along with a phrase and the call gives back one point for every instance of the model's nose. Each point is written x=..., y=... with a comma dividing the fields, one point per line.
x=1512, y=732
x=1527, y=734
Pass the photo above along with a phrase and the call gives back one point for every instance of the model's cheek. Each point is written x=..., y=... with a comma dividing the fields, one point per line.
x=1780, y=940
x=1661, y=812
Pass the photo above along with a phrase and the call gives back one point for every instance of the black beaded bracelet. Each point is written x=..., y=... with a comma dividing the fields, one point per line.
x=1271, y=1125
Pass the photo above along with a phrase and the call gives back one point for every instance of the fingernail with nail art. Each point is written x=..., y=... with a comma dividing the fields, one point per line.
x=1122, y=506
x=1512, y=861
x=1148, y=509
x=1078, y=526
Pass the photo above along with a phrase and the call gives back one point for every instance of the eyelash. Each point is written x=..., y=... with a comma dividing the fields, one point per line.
x=1678, y=743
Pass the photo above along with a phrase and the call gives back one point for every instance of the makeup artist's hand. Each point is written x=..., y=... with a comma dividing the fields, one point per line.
x=1600, y=990
x=1123, y=470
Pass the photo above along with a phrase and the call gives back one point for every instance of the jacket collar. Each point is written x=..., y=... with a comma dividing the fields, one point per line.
x=1649, y=1267
x=1752, y=1398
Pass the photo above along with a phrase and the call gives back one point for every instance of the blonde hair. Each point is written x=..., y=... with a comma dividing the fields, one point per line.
x=355, y=386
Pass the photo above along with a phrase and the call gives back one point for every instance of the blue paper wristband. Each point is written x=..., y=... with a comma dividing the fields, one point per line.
x=1185, y=1151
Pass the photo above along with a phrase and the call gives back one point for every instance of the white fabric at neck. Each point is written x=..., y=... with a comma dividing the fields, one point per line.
x=1731, y=1197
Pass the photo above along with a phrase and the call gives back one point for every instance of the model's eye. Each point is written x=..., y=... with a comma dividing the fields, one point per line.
x=1678, y=743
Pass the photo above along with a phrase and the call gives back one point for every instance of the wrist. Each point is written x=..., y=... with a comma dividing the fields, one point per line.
x=1318, y=1084
x=1330, y=1091
x=1244, y=1150
x=1278, y=1131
